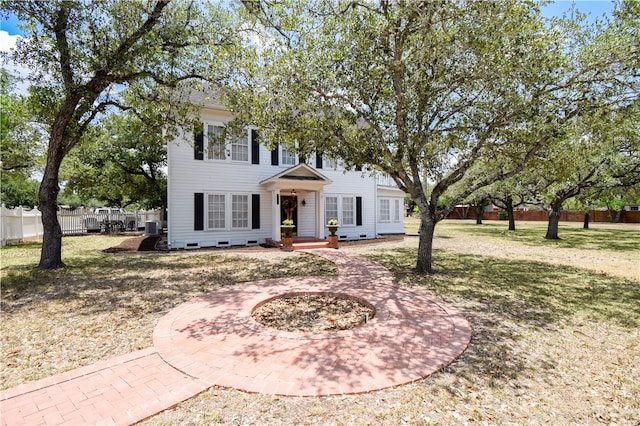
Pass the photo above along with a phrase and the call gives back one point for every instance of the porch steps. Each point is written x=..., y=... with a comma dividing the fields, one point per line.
x=311, y=245
x=301, y=243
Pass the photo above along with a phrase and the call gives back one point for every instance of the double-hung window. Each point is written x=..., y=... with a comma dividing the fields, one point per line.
x=288, y=156
x=331, y=208
x=228, y=211
x=240, y=148
x=226, y=147
x=396, y=211
x=216, y=211
x=345, y=208
x=216, y=145
x=239, y=211
x=348, y=210
x=330, y=163
x=385, y=213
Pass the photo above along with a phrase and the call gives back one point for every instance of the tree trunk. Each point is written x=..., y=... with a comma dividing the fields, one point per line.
x=552, y=228
x=51, y=254
x=479, y=210
x=425, y=245
x=616, y=218
x=510, y=216
x=585, y=224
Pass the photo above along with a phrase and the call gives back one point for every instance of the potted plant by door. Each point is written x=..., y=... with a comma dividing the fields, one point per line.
x=287, y=227
x=287, y=230
x=332, y=225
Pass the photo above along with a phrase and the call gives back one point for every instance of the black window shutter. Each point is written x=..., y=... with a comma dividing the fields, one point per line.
x=274, y=156
x=318, y=160
x=358, y=168
x=198, y=211
x=358, y=211
x=255, y=147
x=198, y=146
x=255, y=211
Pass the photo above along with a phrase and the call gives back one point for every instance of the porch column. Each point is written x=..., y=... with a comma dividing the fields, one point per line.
x=275, y=214
x=320, y=215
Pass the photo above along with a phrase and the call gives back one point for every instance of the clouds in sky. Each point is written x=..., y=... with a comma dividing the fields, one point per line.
x=7, y=42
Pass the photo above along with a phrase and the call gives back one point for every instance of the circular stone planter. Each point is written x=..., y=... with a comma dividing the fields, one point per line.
x=313, y=312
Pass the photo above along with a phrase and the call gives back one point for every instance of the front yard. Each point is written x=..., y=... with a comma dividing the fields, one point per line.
x=556, y=325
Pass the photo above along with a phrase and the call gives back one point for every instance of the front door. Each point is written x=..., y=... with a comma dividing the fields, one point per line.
x=289, y=208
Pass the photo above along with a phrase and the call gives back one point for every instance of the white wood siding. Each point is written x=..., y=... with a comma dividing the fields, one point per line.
x=395, y=224
x=187, y=176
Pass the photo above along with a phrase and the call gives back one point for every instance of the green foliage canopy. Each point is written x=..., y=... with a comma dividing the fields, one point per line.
x=422, y=91
x=82, y=53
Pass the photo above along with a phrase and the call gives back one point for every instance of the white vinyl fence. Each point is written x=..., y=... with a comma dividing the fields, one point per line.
x=21, y=224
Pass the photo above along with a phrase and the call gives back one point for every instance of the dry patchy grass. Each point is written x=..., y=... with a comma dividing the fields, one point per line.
x=103, y=306
x=552, y=343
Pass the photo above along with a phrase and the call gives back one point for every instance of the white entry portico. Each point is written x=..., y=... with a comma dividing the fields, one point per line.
x=305, y=185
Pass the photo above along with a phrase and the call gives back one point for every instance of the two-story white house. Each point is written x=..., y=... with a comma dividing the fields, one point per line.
x=237, y=192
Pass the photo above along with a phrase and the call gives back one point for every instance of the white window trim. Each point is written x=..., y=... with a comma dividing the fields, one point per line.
x=207, y=144
x=296, y=159
x=380, y=219
x=340, y=207
x=329, y=164
x=353, y=211
x=228, y=150
x=228, y=211
x=396, y=210
x=207, y=212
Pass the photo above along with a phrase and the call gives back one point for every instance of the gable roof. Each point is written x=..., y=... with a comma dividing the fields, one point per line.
x=300, y=176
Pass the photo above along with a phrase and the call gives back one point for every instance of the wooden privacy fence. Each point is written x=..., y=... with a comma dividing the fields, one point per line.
x=21, y=224
x=626, y=216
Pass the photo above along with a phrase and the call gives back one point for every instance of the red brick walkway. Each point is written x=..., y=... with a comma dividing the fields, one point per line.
x=212, y=340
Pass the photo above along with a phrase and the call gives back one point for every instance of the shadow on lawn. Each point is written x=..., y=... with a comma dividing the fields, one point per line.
x=624, y=240
x=504, y=299
x=148, y=283
x=530, y=293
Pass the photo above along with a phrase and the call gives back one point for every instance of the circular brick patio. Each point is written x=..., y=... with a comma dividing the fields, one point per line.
x=213, y=338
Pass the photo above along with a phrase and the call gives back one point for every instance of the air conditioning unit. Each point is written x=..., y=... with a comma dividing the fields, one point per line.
x=152, y=227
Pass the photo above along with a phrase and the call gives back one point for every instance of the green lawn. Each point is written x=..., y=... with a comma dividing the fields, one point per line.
x=600, y=236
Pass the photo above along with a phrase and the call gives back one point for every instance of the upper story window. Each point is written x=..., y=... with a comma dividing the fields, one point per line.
x=386, y=180
x=289, y=157
x=329, y=163
x=240, y=148
x=216, y=145
x=225, y=147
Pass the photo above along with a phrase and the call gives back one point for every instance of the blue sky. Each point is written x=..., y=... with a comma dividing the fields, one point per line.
x=594, y=7
x=10, y=25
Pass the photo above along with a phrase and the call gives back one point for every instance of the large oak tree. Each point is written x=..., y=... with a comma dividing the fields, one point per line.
x=82, y=53
x=419, y=90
